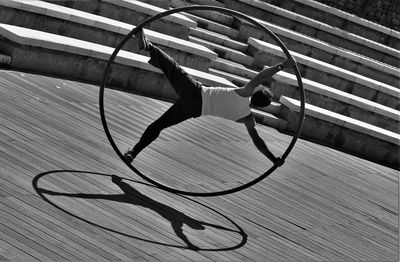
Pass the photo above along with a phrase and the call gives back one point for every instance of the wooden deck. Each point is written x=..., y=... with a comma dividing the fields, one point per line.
x=58, y=202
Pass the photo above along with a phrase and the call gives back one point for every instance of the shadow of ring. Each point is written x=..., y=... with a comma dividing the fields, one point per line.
x=38, y=190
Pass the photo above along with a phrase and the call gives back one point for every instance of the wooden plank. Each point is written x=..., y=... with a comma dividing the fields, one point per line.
x=69, y=241
x=322, y=205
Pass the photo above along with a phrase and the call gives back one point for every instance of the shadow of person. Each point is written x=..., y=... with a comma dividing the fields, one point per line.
x=132, y=196
x=175, y=217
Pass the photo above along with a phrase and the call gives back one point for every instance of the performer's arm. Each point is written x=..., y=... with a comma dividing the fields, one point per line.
x=250, y=124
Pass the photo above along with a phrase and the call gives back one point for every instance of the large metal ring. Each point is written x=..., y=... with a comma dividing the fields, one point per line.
x=190, y=8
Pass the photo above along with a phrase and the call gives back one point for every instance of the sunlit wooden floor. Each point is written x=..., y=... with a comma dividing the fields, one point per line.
x=59, y=202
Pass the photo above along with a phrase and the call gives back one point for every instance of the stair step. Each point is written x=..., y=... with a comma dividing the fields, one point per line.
x=158, y=3
x=178, y=3
x=330, y=34
x=239, y=75
x=235, y=79
x=215, y=16
x=274, y=108
x=47, y=45
x=213, y=26
x=86, y=26
x=269, y=120
x=233, y=68
x=235, y=73
x=224, y=51
x=352, y=23
x=218, y=38
x=356, y=137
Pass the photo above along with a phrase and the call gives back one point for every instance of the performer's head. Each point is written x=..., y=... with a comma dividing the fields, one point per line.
x=261, y=98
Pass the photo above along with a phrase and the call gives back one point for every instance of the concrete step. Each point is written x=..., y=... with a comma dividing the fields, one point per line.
x=218, y=38
x=327, y=74
x=269, y=120
x=85, y=26
x=267, y=13
x=165, y=4
x=343, y=133
x=35, y=51
x=214, y=16
x=317, y=94
x=233, y=68
x=233, y=78
x=339, y=102
x=274, y=108
x=134, y=12
x=224, y=52
x=346, y=21
x=179, y=3
x=329, y=53
x=214, y=26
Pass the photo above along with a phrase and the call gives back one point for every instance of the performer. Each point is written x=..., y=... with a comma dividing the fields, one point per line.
x=195, y=100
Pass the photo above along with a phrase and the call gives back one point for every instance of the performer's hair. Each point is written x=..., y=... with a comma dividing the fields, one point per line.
x=261, y=98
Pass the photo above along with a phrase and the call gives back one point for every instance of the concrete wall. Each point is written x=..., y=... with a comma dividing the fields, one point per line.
x=87, y=70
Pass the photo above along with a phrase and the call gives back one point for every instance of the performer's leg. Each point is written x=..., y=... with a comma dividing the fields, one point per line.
x=172, y=116
x=179, y=79
x=188, y=106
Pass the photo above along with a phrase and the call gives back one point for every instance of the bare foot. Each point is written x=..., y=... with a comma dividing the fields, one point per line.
x=143, y=42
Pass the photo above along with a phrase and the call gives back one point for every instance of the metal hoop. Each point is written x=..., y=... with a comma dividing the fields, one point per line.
x=211, y=8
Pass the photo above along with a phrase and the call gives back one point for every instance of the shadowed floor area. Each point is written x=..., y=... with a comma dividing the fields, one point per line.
x=66, y=196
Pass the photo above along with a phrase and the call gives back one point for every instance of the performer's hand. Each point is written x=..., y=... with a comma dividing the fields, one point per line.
x=279, y=161
x=290, y=62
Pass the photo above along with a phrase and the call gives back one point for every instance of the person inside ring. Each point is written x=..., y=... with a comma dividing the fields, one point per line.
x=195, y=100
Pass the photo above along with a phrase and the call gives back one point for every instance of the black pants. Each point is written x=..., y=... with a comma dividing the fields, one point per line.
x=189, y=100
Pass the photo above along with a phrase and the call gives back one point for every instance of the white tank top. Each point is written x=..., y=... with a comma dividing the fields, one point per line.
x=224, y=102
